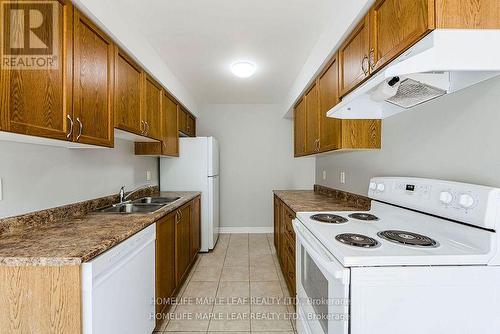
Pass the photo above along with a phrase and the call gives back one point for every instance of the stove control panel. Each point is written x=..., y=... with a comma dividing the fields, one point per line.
x=469, y=203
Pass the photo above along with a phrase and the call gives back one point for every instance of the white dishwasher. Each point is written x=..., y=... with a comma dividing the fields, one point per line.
x=119, y=287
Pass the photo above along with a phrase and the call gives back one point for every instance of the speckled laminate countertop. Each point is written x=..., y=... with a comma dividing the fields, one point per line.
x=322, y=199
x=73, y=241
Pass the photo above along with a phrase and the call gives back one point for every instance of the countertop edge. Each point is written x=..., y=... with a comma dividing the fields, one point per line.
x=107, y=244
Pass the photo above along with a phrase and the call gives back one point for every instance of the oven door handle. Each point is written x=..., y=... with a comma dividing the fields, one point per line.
x=318, y=253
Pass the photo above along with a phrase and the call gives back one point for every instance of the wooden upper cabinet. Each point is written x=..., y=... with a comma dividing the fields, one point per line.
x=468, y=14
x=312, y=120
x=191, y=125
x=396, y=25
x=128, y=88
x=361, y=134
x=170, y=130
x=183, y=120
x=93, y=84
x=299, y=121
x=329, y=128
x=152, y=108
x=354, y=64
x=165, y=260
x=38, y=101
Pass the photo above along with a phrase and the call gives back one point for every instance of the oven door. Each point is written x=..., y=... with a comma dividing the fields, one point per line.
x=322, y=287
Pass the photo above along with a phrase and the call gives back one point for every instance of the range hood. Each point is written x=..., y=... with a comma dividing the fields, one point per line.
x=443, y=62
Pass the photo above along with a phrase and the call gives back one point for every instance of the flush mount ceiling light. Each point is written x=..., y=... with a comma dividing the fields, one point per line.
x=243, y=69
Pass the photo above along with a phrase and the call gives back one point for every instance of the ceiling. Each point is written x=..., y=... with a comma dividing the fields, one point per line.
x=200, y=39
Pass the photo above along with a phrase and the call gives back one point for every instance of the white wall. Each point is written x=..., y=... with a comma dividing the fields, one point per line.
x=125, y=33
x=36, y=177
x=256, y=156
x=456, y=137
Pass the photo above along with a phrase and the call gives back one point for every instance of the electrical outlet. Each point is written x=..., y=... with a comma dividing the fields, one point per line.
x=324, y=175
x=148, y=175
x=342, y=177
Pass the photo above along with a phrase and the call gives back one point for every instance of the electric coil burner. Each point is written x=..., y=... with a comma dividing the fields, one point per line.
x=363, y=216
x=357, y=240
x=329, y=218
x=407, y=238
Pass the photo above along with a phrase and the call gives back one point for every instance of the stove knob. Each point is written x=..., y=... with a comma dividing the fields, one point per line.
x=380, y=187
x=373, y=186
x=445, y=197
x=466, y=201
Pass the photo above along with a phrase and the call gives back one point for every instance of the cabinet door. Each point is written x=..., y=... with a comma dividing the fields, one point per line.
x=165, y=260
x=353, y=58
x=183, y=120
x=191, y=125
x=312, y=120
x=152, y=108
x=170, y=142
x=329, y=128
x=182, y=236
x=299, y=121
x=93, y=84
x=395, y=25
x=277, y=221
x=38, y=101
x=195, y=228
x=128, y=87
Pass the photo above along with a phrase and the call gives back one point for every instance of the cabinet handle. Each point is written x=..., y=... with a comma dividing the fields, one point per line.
x=143, y=126
x=81, y=129
x=146, y=128
x=364, y=62
x=70, y=132
x=372, y=59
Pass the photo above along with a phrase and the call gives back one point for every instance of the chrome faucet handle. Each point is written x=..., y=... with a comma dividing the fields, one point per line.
x=122, y=194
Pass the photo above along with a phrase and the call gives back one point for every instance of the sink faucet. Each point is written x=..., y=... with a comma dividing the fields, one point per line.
x=124, y=197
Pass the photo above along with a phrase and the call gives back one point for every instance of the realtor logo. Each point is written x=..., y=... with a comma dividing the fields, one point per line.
x=30, y=34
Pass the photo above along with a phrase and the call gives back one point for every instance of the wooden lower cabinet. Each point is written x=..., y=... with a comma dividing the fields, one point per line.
x=177, y=235
x=277, y=224
x=165, y=261
x=40, y=299
x=48, y=299
x=177, y=246
x=195, y=228
x=182, y=242
x=284, y=242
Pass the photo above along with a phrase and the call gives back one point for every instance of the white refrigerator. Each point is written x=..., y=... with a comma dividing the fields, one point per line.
x=196, y=169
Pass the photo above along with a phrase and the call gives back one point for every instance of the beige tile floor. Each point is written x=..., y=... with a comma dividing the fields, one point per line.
x=236, y=288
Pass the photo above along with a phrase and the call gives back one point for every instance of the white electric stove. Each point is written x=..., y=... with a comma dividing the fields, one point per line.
x=424, y=259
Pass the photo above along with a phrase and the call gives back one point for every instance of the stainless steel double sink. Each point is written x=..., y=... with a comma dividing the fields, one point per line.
x=141, y=205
